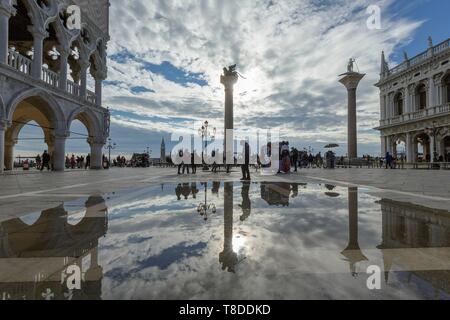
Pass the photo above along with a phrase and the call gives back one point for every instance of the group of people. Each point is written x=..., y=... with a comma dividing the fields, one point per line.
x=298, y=159
x=78, y=162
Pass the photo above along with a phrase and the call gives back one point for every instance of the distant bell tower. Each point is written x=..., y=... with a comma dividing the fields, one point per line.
x=163, y=151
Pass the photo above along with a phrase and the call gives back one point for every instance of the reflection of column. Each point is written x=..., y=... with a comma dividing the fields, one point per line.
x=228, y=257
x=353, y=253
x=351, y=81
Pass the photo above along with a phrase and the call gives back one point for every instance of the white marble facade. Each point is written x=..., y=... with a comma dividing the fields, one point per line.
x=44, y=74
x=415, y=105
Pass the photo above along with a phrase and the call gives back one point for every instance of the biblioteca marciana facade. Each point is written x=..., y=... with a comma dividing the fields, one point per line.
x=415, y=105
x=46, y=68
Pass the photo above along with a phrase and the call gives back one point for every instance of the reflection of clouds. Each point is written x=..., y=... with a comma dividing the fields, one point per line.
x=163, y=251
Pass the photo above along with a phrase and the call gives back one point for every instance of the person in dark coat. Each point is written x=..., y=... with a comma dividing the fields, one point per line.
x=246, y=165
x=45, y=161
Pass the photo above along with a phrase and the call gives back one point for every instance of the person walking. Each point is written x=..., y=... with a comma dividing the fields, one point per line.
x=45, y=161
x=295, y=159
x=194, y=167
x=246, y=165
x=38, y=162
x=388, y=160
x=88, y=162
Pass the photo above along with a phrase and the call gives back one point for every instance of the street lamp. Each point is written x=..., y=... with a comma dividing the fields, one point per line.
x=204, y=208
x=205, y=133
x=434, y=132
x=111, y=146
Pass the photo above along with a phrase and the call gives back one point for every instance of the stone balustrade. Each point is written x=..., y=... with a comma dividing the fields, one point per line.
x=23, y=65
x=421, y=57
x=417, y=115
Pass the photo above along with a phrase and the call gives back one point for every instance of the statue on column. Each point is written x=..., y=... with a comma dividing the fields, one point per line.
x=350, y=66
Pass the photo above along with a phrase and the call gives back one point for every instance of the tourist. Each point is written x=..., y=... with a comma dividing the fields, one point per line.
x=38, y=162
x=88, y=162
x=285, y=166
x=45, y=161
x=181, y=165
x=246, y=166
x=193, y=165
x=388, y=160
x=295, y=159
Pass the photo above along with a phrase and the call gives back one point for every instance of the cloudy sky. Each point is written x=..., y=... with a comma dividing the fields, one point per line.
x=166, y=57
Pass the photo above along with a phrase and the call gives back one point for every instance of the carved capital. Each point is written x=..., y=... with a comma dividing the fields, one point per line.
x=6, y=9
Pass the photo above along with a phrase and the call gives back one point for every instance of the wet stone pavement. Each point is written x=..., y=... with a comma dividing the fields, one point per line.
x=228, y=240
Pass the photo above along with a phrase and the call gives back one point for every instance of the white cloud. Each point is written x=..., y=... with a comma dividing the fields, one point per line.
x=290, y=51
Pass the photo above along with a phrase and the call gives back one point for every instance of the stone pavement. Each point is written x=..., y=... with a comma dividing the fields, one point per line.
x=26, y=193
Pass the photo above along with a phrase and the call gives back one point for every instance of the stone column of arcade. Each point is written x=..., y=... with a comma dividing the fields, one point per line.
x=229, y=79
x=9, y=155
x=59, y=151
x=3, y=127
x=96, y=153
x=6, y=10
x=351, y=81
x=38, y=45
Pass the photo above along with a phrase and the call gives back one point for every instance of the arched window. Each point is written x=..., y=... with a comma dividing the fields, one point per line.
x=421, y=97
x=398, y=104
x=446, y=84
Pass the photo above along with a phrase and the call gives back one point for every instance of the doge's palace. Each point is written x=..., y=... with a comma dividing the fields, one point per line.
x=45, y=70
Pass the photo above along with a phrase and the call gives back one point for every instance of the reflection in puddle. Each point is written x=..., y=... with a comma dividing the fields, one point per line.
x=34, y=256
x=228, y=241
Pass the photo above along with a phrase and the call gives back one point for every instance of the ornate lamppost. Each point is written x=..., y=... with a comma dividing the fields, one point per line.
x=111, y=146
x=205, y=208
x=205, y=133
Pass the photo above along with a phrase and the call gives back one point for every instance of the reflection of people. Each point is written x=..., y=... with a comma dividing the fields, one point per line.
x=194, y=190
x=246, y=205
x=294, y=188
x=186, y=190
x=178, y=191
x=215, y=187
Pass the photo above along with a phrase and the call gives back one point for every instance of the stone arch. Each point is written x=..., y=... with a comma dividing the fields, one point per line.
x=38, y=106
x=421, y=94
x=399, y=103
x=56, y=110
x=424, y=140
x=397, y=141
x=445, y=80
x=88, y=117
